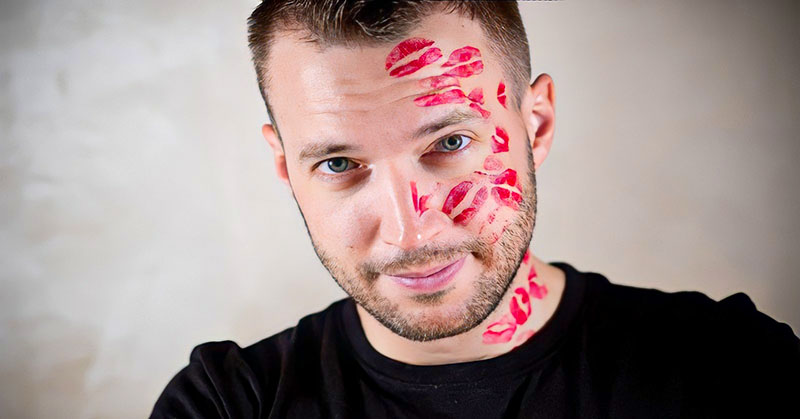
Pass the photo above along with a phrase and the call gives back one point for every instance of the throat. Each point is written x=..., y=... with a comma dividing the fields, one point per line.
x=529, y=302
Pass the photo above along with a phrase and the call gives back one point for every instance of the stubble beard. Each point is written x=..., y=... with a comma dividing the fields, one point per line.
x=501, y=261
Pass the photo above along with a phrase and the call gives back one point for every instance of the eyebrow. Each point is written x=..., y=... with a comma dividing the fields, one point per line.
x=315, y=151
x=455, y=117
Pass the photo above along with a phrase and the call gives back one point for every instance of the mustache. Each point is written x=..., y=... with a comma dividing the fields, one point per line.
x=426, y=254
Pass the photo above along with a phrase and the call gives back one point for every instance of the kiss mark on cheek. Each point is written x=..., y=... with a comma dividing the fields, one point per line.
x=477, y=108
x=501, y=94
x=462, y=55
x=500, y=141
x=508, y=177
x=492, y=163
x=455, y=196
x=474, y=207
x=506, y=197
x=406, y=48
x=428, y=57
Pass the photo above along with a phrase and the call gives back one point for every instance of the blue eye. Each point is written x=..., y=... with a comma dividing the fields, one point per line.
x=336, y=165
x=453, y=143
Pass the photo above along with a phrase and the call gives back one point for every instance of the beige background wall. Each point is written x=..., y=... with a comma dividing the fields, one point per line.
x=139, y=214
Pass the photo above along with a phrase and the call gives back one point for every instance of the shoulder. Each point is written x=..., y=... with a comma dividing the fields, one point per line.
x=223, y=379
x=711, y=350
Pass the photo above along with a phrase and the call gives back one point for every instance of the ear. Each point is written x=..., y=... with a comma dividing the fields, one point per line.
x=269, y=133
x=538, y=112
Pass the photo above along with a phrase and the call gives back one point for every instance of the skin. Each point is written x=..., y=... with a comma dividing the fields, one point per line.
x=394, y=201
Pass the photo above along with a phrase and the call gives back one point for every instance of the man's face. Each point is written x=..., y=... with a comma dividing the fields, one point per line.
x=412, y=171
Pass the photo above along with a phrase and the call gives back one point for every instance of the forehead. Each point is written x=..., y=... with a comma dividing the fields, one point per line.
x=344, y=88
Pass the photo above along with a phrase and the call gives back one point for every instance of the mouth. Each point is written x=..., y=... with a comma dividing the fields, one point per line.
x=429, y=280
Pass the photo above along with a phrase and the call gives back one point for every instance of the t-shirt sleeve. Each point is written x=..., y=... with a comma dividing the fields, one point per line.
x=217, y=383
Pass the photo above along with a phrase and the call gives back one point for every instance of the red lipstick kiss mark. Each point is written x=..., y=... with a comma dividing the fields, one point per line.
x=532, y=273
x=455, y=196
x=450, y=96
x=508, y=177
x=477, y=202
x=524, y=336
x=476, y=95
x=439, y=82
x=506, y=197
x=501, y=93
x=537, y=291
x=534, y=289
x=414, y=196
x=500, y=142
x=520, y=305
x=420, y=204
x=428, y=57
x=403, y=49
x=492, y=163
x=500, y=331
x=525, y=260
x=484, y=113
x=462, y=55
x=423, y=203
x=466, y=70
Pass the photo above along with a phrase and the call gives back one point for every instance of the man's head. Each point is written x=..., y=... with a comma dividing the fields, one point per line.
x=414, y=174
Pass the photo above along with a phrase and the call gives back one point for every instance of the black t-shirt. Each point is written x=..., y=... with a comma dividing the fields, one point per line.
x=608, y=351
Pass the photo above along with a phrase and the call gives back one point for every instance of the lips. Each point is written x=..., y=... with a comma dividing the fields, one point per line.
x=429, y=280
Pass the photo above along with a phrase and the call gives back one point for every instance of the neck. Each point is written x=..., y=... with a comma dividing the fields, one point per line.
x=527, y=305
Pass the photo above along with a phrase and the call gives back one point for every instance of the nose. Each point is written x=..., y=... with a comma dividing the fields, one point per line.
x=401, y=224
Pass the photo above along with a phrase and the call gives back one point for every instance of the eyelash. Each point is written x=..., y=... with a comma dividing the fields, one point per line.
x=322, y=166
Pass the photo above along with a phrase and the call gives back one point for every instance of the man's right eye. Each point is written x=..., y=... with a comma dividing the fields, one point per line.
x=336, y=165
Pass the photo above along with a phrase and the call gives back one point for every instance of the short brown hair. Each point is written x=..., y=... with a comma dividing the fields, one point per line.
x=359, y=22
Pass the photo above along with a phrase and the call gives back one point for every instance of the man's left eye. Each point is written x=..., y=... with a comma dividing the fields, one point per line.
x=452, y=143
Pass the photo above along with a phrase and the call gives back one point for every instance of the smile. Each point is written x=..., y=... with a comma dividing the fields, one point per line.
x=429, y=280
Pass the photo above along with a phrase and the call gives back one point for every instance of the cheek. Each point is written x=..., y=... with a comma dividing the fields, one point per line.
x=340, y=226
x=485, y=200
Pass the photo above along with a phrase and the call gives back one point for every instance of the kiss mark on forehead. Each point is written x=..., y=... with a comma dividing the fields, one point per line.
x=476, y=95
x=462, y=55
x=406, y=48
x=501, y=93
x=450, y=96
x=428, y=57
x=439, y=82
x=466, y=70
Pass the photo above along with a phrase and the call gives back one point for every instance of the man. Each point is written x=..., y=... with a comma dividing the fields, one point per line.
x=410, y=138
